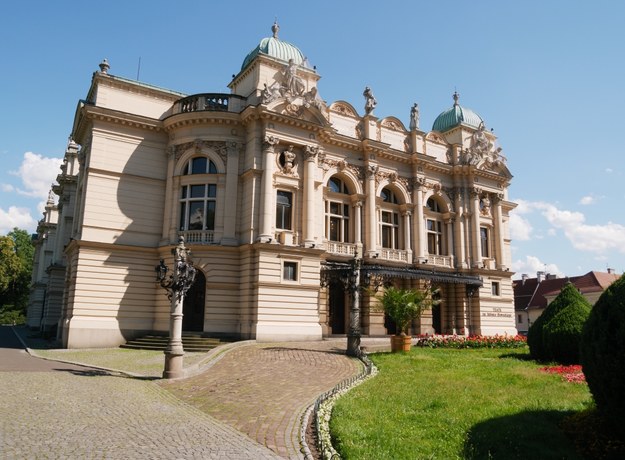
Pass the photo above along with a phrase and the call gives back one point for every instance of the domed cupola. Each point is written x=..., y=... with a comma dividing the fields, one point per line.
x=456, y=116
x=276, y=48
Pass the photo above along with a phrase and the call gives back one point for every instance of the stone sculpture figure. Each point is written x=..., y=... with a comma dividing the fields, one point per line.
x=370, y=101
x=414, y=117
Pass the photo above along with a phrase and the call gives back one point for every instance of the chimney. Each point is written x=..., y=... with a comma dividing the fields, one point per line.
x=540, y=277
x=611, y=271
x=524, y=278
x=550, y=276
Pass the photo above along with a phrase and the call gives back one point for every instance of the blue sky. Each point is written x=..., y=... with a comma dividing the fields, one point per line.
x=547, y=76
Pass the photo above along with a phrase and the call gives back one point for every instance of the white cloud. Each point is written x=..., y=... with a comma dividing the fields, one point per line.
x=586, y=200
x=531, y=265
x=598, y=239
x=520, y=228
x=37, y=174
x=8, y=188
x=609, y=170
x=16, y=217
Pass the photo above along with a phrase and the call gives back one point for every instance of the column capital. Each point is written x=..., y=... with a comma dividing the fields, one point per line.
x=270, y=141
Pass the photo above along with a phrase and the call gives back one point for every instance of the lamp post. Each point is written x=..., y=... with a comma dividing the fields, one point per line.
x=176, y=285
x=353, y=333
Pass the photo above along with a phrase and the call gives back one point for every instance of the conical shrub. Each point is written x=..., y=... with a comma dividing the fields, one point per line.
x=603, y=351
x=535, y=338
x=563, y=333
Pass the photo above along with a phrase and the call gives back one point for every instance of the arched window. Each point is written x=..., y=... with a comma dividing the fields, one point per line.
x=199, y=165
x=338, y=211
x=198, y=198
x=434, y=227
x=389, y=219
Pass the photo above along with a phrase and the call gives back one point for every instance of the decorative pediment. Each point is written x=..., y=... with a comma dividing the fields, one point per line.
x=344, y=108
x=435, y=137
x=393, y=123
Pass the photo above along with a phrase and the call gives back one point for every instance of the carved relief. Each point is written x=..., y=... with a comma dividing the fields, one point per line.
x=485, y=205
x=393, y=125
x=343, y=109
x=311, y=152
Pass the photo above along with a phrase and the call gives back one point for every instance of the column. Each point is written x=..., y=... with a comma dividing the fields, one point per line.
x=475, y=223
x=309, y=195
x=419, y=222
x=459, y=247
x=406, y=220
x=371, y=236
x=498, y=233
x=232, y=185
x=357, y=213
x=267, y=192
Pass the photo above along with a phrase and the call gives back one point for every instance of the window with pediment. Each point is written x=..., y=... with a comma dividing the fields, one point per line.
x=434, y=224
x=337, y=211
x=198, y=195
x=389, y=219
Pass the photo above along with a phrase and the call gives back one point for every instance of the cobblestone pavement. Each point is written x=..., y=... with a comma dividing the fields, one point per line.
x=263, y=390
x=91, y=415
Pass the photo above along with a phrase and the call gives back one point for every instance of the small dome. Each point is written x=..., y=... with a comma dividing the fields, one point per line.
x=279, y=49
x=455, y=116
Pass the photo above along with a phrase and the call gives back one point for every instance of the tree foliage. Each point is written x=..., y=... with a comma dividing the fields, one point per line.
x=16, y=264
x=603, y=351
x=562, y=334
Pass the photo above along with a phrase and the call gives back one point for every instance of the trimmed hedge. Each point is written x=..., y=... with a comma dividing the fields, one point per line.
x=569, y=295
x=603, y=351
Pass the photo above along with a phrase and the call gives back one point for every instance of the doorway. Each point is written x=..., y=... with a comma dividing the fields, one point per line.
x=193, y=306
x=337, y=308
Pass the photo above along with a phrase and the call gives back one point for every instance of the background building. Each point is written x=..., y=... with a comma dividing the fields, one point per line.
x=274, y=190
x=532, y=295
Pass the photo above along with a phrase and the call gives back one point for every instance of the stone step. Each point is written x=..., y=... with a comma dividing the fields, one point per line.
x=190, y=342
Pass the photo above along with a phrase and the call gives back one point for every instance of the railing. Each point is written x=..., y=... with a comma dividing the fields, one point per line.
x=398, y=255
x=214, y=102
x=198, y=236
x=344, y=249
x=440, y=261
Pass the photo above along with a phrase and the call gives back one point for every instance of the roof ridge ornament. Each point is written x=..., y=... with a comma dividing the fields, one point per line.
x=456, y=96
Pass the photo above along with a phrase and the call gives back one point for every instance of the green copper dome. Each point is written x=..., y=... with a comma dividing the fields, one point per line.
x=455, y=116
x=279, y=49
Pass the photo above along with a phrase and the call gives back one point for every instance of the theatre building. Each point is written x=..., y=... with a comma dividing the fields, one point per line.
x=277, y=194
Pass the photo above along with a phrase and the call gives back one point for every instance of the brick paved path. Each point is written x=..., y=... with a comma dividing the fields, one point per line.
x=86, y=415
x=262, y=390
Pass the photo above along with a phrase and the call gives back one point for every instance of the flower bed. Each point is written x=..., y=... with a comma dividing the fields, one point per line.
x=472, y=341
x=571, y=373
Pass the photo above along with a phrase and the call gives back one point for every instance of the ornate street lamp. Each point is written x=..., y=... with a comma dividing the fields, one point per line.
x=177, y=285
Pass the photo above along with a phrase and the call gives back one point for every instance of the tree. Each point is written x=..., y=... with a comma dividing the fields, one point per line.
x=16, y=264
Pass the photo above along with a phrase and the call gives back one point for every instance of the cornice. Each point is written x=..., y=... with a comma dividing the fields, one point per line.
x=201, y=118
x=92, y=112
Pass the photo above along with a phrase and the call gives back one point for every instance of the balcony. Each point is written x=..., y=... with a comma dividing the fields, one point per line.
x=341, y=249
x=440, y=261
x=198, y=236
x=211, y=102
x=394, y=255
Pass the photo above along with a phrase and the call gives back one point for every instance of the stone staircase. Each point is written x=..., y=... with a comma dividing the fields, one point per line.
x=191, y=342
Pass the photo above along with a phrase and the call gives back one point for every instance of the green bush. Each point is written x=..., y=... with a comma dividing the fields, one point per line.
x=535, y=336
x=562, y=334
x=603, y=351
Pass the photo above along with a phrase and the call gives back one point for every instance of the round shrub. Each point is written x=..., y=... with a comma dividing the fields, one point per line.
x=535, y=340
x=563, y=333
x=603, y=351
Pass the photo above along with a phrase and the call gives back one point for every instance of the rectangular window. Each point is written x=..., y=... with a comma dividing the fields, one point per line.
x=484, y=243
x=520, y=321
x=289, y=271
x=494, y=288
x=284, y=206
x=390, y=230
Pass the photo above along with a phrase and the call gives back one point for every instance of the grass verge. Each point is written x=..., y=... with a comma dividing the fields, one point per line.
x=446, y=404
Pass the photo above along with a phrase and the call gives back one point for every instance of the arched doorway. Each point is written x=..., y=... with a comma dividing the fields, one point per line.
x=193, y=306
x=337, y=308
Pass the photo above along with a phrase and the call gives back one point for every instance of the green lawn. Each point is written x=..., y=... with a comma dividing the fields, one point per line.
x=446, y=404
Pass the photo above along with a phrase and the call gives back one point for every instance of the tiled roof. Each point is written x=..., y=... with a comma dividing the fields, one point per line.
x=523, y=292
x=588, y=283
